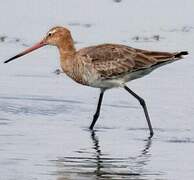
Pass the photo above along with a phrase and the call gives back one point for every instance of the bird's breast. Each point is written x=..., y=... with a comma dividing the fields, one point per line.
x=79, y=71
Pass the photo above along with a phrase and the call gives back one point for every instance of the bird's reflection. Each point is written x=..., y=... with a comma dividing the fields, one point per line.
x=101, y=162
x=103, y=166
x=98, y=153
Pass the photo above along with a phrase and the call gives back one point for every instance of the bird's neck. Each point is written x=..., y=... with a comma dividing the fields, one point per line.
x=66, y=48
x=67, y=54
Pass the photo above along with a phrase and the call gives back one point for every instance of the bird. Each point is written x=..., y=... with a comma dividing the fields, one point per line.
x=104, y=66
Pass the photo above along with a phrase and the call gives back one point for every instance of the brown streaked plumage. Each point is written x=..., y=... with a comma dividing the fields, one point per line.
x=104, y=66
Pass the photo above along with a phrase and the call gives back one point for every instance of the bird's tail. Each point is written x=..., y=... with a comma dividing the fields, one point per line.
x=168, y=58
x=180, y=54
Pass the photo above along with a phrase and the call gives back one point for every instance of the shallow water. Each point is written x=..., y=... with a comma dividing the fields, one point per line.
x=44, y=116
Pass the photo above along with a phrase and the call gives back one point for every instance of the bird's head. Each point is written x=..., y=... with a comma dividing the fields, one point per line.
x=55, y=36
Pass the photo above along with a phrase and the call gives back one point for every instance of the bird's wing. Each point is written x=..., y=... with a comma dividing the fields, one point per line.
x=113, y=60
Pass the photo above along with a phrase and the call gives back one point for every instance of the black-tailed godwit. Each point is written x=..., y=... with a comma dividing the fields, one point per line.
x=104, y=66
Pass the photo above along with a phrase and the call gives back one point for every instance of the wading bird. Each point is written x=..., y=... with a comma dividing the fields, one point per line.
x=104, y=66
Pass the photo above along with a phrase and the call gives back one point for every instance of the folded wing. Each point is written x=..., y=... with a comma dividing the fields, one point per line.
x=114, y=60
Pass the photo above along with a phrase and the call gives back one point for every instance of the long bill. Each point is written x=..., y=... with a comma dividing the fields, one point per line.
x=36, y=46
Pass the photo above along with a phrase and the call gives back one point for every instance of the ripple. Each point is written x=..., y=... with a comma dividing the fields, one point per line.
x=177, y=140
x=117, y=1
x=4, y=121
x=37, y=105
x=41, y=98
x=184, y=29
x=14, y=40
x=94, y=164
x=86, y=25
x=29, y=109
x=160, y=129
x=153, y=38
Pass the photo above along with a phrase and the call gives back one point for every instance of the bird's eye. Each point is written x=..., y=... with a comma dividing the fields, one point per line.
x=49, y=34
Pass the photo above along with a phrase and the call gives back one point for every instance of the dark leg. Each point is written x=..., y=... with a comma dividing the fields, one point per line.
x=143, y=104
x=96, y=115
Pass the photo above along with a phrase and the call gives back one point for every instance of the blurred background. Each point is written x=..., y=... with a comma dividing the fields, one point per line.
x=44, y=116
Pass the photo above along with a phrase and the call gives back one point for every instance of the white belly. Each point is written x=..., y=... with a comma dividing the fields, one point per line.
x=119, y=81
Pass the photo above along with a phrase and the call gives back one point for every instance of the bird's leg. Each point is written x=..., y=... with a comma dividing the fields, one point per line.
x=97, y=113
x=143, y=104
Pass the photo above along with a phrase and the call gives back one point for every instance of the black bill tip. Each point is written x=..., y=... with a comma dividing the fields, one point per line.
x=7, y=60
x=14, y=57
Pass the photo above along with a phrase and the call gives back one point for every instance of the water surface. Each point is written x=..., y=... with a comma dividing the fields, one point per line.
x=44, y=116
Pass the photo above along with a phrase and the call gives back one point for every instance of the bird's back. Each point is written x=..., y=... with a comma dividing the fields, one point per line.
x=115, y=60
